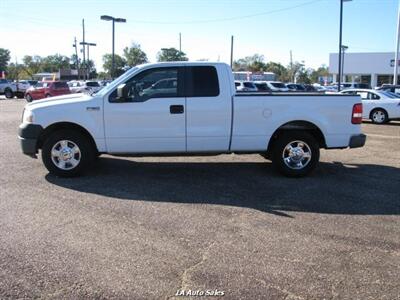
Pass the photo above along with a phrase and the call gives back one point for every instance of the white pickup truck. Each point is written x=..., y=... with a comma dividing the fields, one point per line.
x=188, y=108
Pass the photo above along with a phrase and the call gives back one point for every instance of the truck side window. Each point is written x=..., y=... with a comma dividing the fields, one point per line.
x=202, y=81
x=153, y=83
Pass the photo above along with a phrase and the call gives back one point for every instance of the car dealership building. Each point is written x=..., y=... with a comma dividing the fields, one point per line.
x=373, y=68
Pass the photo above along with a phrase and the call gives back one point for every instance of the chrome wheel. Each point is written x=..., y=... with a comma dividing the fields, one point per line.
x=65, y=155
x=379, y=116
x=296, y=155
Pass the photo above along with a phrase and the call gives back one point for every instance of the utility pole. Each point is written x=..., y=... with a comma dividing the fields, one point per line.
x=76, y=53
x=291, y=65
x=83, y=47
x=231, y=51
x=396, y=54
x=87, y=70
x=180, y=42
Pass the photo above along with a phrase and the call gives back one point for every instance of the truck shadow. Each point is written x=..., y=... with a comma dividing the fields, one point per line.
x=334, y=188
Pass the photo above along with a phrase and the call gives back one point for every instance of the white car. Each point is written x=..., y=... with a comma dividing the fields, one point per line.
x=379, y=106
x=245, y=86
x=277, y=86
x=84, y=86
x=193, y=108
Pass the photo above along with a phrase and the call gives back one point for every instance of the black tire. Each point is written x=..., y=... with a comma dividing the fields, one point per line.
x=28, y=97
x=20, y=95
x=86, y=152
x=48, y=95
x=9, y=93
x=379, y=116
x=306, y=143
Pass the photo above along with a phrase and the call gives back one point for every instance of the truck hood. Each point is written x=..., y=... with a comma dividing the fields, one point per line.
x=58, y=100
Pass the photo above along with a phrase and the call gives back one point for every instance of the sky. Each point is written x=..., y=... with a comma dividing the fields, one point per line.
x=310, y=28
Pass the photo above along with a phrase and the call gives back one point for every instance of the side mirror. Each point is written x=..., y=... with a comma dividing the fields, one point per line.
x=122, y=92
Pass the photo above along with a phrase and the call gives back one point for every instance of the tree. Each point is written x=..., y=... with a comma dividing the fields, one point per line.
x=32, y=64
x=322, y=71
x=53, y=63
x=134, y=55
x=120, y=64
x=171, y=54
x=254, y=63
x=4, y=58
x=279, y=70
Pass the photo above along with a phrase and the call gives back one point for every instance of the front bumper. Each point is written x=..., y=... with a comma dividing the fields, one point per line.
x=357, y=141
x=28, y=135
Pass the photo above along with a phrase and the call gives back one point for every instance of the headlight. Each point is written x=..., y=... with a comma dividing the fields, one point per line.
x=28, y=116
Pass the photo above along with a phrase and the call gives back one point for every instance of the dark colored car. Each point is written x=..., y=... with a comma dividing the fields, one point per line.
x=390, y=88
x=45, y=89
x=262, y=87
x=295, y=87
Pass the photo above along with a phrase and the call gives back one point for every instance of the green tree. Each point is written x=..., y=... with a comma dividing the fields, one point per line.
x=53, y=63
x=321, y=71
x=134, y=55
x=171, y=54
x=254, y=63
x=4, y=58
x=279, y=70
x=120, y=64
x=14, y=71
x=32, y=64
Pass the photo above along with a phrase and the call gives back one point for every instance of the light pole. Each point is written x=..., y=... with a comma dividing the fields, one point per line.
x=340, y=41
x=114, y=20
x=396, y=54
x=344, y=48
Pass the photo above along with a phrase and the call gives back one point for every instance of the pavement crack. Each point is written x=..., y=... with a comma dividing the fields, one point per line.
x=185, y=277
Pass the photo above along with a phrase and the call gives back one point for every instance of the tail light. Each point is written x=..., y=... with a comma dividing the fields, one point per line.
x=356, y=116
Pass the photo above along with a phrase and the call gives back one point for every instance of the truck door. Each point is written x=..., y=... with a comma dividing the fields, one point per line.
x=208, y=109
x=152, y=119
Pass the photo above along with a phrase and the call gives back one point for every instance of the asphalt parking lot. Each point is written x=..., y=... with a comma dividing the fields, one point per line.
x=143, y=228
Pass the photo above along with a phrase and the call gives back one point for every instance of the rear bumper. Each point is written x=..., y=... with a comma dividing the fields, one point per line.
x=28, y=135
x=357, y=141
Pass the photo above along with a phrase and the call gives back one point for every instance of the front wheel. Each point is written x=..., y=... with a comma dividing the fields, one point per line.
x=295, y=154
x=9, y=94
x=67, y=153
x=28, y=97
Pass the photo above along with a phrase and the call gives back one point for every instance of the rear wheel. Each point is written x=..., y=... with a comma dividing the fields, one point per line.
x=295, y=154
x=48, y=95
x=9, y=93
x=67, y=153
x=379, y=116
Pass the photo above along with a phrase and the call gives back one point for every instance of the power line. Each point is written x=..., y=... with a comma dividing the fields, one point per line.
x=230, y=18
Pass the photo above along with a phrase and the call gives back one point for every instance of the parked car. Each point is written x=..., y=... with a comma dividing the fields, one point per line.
x=295, y=87
x=23, y=85
x=378, y=106
x=277, y=86
x=84, y=86
x=10, y=89
x=262, y=86
x=45, y=89
x=390, y=88
x=207, y=116
x=309, y=88
x=245, y=86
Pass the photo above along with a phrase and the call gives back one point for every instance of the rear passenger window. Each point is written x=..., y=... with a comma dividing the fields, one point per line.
x=202, y=81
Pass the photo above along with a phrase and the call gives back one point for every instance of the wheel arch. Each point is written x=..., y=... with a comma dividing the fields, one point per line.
x=378, y=108
x=63, y=126
x=298, y=125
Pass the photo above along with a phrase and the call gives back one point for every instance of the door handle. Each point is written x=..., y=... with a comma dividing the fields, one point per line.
x=176, y=109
